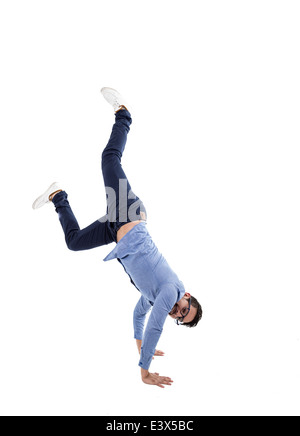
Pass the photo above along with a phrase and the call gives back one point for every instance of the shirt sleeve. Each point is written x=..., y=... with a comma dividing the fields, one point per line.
x=162, y=307
x=141, y=309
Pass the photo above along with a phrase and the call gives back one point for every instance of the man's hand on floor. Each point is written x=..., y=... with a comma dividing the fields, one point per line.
x=158, y=353
x=155, y=379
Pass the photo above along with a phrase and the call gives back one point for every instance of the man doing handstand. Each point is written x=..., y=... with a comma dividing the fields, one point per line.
x=125, y=224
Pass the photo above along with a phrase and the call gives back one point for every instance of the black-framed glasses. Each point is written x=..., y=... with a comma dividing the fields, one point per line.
x=184, y=312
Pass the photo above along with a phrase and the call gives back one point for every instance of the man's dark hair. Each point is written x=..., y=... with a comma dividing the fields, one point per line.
x=195, y=303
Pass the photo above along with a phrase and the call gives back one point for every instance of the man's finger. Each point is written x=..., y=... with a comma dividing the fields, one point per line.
x=165, y=383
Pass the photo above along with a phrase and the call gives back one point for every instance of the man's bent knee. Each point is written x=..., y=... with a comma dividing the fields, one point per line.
x=71, y=242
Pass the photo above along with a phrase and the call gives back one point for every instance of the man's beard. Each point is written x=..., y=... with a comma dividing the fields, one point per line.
x=174, y=310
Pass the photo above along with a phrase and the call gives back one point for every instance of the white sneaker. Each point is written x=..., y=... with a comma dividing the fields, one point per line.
x=44, y=198
x=114, y=98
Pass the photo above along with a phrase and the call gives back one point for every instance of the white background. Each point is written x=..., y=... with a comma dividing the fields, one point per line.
x=213, y=151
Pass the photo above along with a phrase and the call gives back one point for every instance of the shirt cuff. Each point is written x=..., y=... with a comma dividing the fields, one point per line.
x=145, y=362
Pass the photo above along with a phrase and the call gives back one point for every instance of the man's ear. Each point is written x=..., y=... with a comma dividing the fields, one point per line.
x=187, y=295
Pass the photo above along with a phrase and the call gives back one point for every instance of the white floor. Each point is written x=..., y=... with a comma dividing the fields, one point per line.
x=213, y=152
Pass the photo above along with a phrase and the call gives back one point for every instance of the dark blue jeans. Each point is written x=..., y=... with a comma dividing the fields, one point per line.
x=122, y=204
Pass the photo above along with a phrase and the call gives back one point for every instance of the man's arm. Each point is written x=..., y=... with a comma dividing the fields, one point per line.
x=141, y=309
x=139, y=346
x=163, y=305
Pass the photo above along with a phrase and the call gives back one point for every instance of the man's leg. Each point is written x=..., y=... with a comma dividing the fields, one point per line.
x=95, y=235
x=122, y=204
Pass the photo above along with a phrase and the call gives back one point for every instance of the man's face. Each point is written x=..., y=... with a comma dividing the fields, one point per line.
x=181, y=306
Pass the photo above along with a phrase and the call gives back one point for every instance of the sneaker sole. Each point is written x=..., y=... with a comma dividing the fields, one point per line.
x=44, y=198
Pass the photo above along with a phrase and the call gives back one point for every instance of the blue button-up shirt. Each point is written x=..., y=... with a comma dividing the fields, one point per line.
x=157, y=282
